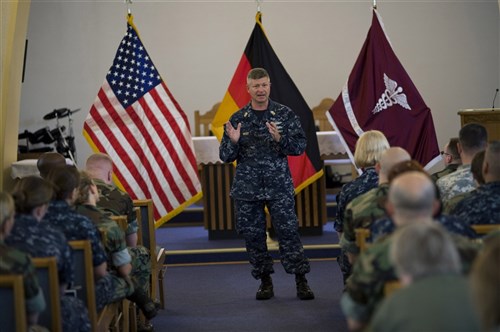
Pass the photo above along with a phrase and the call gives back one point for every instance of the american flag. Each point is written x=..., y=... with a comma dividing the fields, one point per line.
x=137, y=122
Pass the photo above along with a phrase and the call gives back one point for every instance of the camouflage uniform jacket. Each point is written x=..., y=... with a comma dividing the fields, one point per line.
x=118, y=203
x=385, y=226
x=262, y=171
x=361, y=213
x=75, y=227
x=42, y=240
x=13, y=261
x=460, y=181
x=365, y=182
x=365, y=287
x=451, y=204
x=482, y=206
x=113, y=237
x=450, y=168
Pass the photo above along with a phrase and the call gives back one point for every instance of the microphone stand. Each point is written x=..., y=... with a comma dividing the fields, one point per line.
x=495, y=97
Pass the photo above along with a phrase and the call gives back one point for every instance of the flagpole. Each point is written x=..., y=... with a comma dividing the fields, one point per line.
x=374, y=4
x=129, y=11
x=258, y=5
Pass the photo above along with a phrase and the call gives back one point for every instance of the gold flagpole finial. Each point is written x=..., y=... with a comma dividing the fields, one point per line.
x=374, y=4
x=128, y=2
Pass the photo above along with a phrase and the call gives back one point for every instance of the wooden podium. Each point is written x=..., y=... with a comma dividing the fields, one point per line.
x=488, y=117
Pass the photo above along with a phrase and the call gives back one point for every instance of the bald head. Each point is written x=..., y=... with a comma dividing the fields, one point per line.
x=412, y=196
x=388, y=159
x=100, y=166
x=49, y=161
x=491, y=163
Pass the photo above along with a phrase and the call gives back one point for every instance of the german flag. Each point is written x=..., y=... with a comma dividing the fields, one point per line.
x=307, y=167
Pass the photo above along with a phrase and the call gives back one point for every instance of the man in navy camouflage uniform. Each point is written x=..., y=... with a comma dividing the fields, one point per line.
x=259, y=137
x=100, y=167
x=39, y=239
x=483, y=205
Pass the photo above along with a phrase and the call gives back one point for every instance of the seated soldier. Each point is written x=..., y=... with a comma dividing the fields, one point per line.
x=32, y=195
x=412, y=199
x=435, y=296
x=472, y=138
x=18, y=262
x=483, y=205
x=384, y=226
x=131, y=264
x=48, y=161
x=100, y=167
x=485, y=280
x=368, y=207
x=451, y=159
x=369, y=148
x=476, y=167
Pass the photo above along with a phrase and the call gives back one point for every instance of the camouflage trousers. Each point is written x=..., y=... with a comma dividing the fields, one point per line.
x=141, y=267
x=74, y=315
x=251, y=223
x=112, y=288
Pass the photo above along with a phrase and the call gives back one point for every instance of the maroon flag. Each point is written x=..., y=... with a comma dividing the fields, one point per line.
x=379, y=95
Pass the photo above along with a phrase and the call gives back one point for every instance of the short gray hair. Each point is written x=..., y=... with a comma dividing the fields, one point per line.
x=424, y=249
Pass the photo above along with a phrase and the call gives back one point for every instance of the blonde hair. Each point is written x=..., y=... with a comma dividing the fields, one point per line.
x=369, y=148
x=7, y=207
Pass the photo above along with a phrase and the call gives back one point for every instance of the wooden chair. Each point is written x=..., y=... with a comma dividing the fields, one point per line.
x=319, y=114
x=484, y=229
x=148, y=239
x=121, y=221
x=12, y=302
x=392, y=286
x=362, y=234
x=48, y=279
x=203, y=123
x=114, y=316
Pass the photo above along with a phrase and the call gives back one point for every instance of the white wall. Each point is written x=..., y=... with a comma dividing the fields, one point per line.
x=450, y=49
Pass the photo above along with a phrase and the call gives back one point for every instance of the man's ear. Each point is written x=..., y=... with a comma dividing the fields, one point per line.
x=436, y=206
x=389, y=208
x=486, y=168
x=377, y=167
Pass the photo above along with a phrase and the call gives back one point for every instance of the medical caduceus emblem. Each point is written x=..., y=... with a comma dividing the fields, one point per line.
x=391, y=96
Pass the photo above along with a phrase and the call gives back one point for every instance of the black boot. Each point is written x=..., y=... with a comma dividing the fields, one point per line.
x=147, y=306
x=265, y=291
x=303, y=290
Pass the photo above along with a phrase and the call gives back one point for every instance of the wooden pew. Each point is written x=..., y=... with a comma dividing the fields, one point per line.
x=46, y=271
x=148, y=239
x=12, y=302
x=114, y=316
x=484, y=229
x=361, y=235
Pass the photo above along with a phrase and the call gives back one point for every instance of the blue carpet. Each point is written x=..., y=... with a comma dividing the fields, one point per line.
x=222, y=298
x=190, y=244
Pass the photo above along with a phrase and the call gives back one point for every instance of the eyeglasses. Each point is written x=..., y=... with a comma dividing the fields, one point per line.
x=445, y=153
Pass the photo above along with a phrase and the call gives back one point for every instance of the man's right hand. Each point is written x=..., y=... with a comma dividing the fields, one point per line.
x=233, y=133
